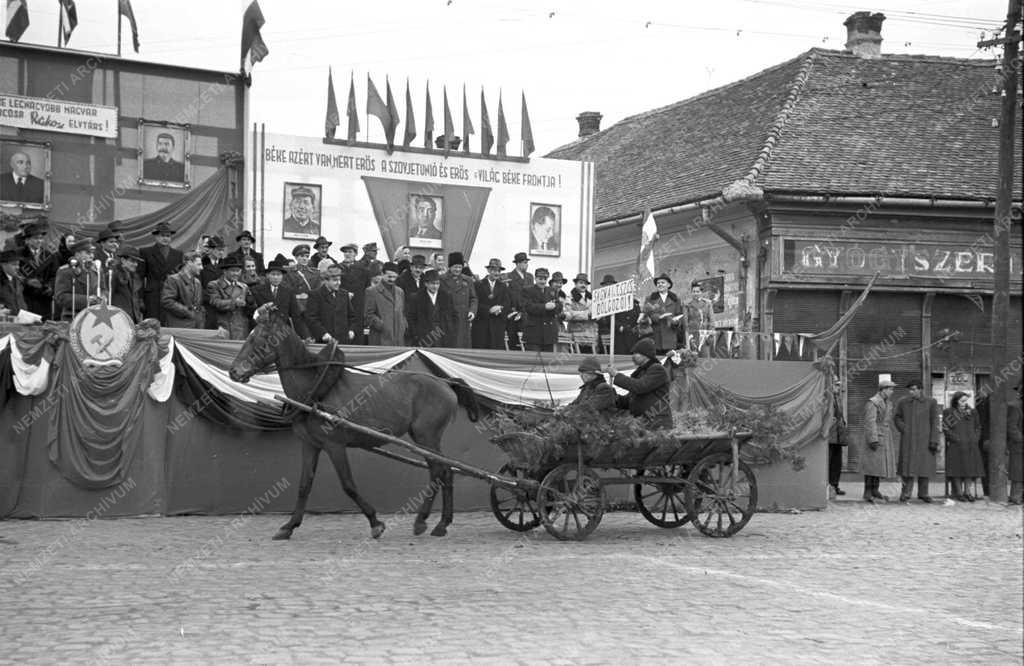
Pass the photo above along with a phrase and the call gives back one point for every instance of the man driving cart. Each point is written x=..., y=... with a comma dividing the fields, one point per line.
x=648, y=387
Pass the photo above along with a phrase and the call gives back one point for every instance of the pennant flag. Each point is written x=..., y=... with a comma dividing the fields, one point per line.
x=392, y=113
x=645, y=259
x=502, y=140
x=353, y=115
x=428, y=122
x=467, y=124
x=728, y=340
x=410, y=120
x=17, y=19
x=778, y=341
x=526, y=133
x=124, y=8
x=68, y=18
x=486, y=136
x=252, y=41
x=331, y=119
x=375, y=106
x=449, y=126
x=800, y=350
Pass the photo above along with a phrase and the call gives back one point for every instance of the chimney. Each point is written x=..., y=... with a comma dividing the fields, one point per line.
x=590, y=122
x=864, y=34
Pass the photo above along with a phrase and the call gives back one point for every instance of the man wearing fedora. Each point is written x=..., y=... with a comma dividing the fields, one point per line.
x=355, y=280
x=302, y=218
x=228, y=298
x=543, y=309
x=369, y=260
x=877, y=459
x=275, y=291
x=12, y=294
x=330, y=314
x=182, y=297
x=38, y=269
x=463, y=294
x=106, y=251
x=75, y=285
x=494, y=303
x=158, y=262
x=321, y=253
x=126, y=289
x=245, y=250
x=430, y=313
x=662, y=309
x=517, y=279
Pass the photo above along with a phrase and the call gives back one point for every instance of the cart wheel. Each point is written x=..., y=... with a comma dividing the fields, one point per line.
x=515, y=509
x=571, y=505
x=717, y=506
x=662, y=504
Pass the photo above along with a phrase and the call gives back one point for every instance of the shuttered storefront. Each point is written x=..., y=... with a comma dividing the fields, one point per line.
x=803, y=312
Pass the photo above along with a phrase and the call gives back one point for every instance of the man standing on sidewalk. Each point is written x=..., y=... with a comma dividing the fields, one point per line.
x=878, y=457
x=917, y=419
x=836, y=439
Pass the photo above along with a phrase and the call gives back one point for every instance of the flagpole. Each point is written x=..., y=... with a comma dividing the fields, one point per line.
x=118, y=28
x=60, y=25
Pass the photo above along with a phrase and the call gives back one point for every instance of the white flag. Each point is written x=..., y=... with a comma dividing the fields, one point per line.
x=645, y=260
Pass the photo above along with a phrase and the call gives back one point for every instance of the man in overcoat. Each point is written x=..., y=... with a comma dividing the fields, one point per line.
x=917, y=420
x=126, y=292
x=330, y=313
x=648, y=386
x=228, y=298
x=384, y=311
x=494, y=303
x=74, y=287
x=181, y=299
x=878, y=456
x=461, y=289
x=430, y=313
x=281, y=295
x=39, y=270
x=542, y=307
x=158, y=262
x=595, y=393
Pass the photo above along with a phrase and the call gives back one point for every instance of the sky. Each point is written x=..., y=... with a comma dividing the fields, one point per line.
x=567, y=56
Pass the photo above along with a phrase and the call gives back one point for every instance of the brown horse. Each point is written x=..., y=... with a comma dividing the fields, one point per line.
x=394, y=402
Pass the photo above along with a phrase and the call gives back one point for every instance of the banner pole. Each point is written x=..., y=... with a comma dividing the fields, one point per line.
x=611, y=342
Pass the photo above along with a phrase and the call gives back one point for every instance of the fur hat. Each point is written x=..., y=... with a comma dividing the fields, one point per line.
x=646, y=347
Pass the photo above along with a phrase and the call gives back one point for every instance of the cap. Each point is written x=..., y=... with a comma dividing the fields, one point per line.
x=370, y=247
x=303, y=192
x=541, y=272
x=645, y=346
x=350, y=247
x=589, y=364
x=300, y=249
x=389, y=266
x=81, y=245
x=456, y=259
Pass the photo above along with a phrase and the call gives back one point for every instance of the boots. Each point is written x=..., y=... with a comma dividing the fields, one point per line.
x=876, y=493
x=868, y=489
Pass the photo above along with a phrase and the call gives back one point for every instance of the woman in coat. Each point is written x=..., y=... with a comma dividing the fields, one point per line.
x=662, y=309
x=962, y=429
x=878, y=455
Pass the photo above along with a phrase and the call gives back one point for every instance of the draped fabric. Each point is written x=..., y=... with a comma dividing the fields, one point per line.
x=827, y=338
x=94, y=425
x=204, y=210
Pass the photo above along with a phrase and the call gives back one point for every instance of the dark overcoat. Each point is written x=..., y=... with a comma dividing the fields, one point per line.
x=489, y=329
x=431, y=324
x=917, y=420
x=596, y=394
x=962, y=430
x=127, y=293
x=154, y=270
x=285, y=302
x=541, y=324
x=648, y=396
x=665, y=328
x=330, y=312
x=463, y=293
x=182, y=302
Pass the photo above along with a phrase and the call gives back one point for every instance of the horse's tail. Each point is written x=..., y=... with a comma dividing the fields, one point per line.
x=467, y=398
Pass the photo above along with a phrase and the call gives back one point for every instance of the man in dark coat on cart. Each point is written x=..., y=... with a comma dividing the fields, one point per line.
x=595, y=393
x=648, y=386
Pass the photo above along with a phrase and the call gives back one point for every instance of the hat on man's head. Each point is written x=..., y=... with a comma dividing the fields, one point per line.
x=885, y=381
x=664, y=276
x=607, y=280
x=35, y=229
x=130, y=252
x=214, y=242
x=81, y=245
x=303, y=192
x=418, y=260
x=389, y=266
x=495, y=263
x=541, y=272
x=279, y=263
x=370, y=247
x=645, y=346
x=915, y=383
x=322, y=241
x=8, y=255
x=582, y=277
x=245, y=234
x=231, y=261
x=589, y=364
x=557, y=277
x=456, y=259
x=520, y=256
x=163, y=228
x=107, y=234
x=302, y=248
x=350, y=247
x=432, y=276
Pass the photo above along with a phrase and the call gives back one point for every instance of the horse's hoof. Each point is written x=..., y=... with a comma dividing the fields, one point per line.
x=377, y=530
x=282, y=535
x=439, y=530
x=419, y=527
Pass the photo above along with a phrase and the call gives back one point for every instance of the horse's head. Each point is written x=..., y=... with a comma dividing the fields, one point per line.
x=262, y=347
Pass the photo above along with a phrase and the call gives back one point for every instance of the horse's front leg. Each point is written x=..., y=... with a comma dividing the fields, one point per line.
x=436, y=480
x=339, y=456
x=310, y=456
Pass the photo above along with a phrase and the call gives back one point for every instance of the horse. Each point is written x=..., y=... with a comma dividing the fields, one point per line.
x=395, y=402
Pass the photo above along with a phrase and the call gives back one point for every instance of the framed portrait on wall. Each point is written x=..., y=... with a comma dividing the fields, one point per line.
x=25, y=173
x=545, y=230
x=426, y=220
x=713, y=290
x=164, y=160
x=302, y=206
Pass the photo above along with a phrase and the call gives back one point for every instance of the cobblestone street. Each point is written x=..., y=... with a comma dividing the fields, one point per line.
x=892, y=584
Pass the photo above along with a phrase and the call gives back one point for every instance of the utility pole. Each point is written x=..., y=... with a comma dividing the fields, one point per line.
x=1002, y=226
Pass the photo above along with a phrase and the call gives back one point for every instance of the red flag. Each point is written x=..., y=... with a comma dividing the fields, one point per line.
x=526, y=132
x=467, y=124
x=252, y=41
x=428, y=122
x=449, y=126
x=502, y=129
x=375, y=106
x=331, y=120
x=124, y=8
x=393, y=113
x=353, y=115
x=68, y=18
x=486, y=135
x=410, y=119
x=17, y=19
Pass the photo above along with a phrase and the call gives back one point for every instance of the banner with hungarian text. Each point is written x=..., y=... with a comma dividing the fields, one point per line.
x=53, y=115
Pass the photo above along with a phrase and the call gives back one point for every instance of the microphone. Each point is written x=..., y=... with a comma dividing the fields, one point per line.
x=111, y=262
x=73, y=263
x=97, y=264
